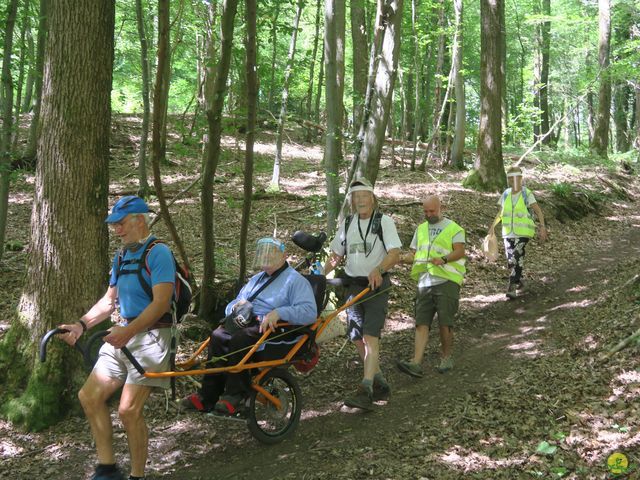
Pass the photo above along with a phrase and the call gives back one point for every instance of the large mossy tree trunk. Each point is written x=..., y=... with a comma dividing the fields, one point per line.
x=488, y=173
x=68, y=261
x=214, y=119
x=334, y=22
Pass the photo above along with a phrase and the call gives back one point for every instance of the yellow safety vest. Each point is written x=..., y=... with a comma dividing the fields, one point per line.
x=516, y=218
x=437, y=247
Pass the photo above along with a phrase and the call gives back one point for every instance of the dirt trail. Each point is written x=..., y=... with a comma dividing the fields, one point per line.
x=505, y=333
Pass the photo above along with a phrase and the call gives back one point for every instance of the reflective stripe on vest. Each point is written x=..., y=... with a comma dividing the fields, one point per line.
x=516, y=218
x=437, y=247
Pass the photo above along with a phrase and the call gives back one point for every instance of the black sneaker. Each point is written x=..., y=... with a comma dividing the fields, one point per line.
x=380, y=392
x=111, y=475
x=363, y=399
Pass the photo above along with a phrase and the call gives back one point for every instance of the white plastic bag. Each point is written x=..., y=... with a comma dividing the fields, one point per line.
x=490, y=247
x=335, y=328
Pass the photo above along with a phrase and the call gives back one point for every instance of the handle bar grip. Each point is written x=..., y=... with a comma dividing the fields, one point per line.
x=45, y=339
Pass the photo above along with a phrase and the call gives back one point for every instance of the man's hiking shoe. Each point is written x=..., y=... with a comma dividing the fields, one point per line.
x=520, y=288
x=228, y=405
x=194, y=403
x=363, y=399
x=410, y=368
x=114, y=474
x=380, y=392
x=446, y=364
x=511, y=291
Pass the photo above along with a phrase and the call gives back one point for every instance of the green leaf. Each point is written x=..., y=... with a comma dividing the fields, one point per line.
x=546, y=449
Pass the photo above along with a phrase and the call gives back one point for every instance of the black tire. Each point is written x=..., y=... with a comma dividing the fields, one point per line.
x=265, y=422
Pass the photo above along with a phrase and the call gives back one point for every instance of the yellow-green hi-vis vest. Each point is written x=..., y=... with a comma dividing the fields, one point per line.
x=516, y=218
x=437, y=247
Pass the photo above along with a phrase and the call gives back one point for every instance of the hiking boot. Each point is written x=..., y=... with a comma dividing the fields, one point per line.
x=511, y=291
x=380, y=391
x=446, y=364
x=228, y=404
x=409, y=368
x=520, y=286
x=100, y=474
x=194, y=403
x=363, y=399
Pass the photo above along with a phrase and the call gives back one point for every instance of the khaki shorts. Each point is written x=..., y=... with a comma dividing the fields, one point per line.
x=442, y=299
x=367, y=317
x=150, y=349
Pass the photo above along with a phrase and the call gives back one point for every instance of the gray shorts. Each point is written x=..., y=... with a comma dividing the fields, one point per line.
x=368, y=316
x=442, y=299
x=151, y=349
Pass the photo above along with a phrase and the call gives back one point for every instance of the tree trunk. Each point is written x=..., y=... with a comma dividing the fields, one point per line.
x=143, y=185
x=310, y=132
x=31, y=53
x=359, y=35
x=316, y=110
x=488, y=173
x=383, y=72
x=620, y=112
x=274, y=52
x=457, y=148
x=214, y=117
x=24, y=27
x=438, y=93
x=334, y=21
x=7, y=119
x=600, y=141
x=275, y=178
x=541, y=72
x=251, y=73
x=417, y=66
x=636, y=142
x=503, y=71
x=70, y=204
x=43, y=27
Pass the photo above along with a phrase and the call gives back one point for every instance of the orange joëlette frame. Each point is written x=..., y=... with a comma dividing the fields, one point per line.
x=266, y=365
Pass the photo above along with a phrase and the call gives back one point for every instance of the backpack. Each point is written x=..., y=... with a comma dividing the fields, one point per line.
x=182, y=297
x=376, y=227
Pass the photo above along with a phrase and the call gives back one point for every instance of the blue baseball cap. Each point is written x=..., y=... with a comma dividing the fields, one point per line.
x=125, y=206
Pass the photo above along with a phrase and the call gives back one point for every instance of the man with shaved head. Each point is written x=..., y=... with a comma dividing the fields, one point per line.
x=438, y=260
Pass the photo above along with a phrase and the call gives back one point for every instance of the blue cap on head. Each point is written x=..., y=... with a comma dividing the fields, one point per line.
x=125, y=206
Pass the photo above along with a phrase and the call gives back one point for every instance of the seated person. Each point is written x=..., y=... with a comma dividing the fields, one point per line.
x=289, y=298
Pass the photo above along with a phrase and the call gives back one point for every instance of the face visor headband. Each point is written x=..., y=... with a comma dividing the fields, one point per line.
x=514, y=175
x=360, y=188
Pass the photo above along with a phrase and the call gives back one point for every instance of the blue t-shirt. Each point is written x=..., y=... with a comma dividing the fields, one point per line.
x=131, y=296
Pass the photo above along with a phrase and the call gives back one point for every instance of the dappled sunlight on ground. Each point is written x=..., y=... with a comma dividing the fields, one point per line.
x=469, y=461
x=589, y=343
x=579, y=304
x=483, y=300
x=399, y=322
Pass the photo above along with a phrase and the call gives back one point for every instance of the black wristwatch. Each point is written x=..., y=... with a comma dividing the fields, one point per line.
x=444, y=259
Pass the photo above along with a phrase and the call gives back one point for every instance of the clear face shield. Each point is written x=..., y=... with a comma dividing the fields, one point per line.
x=269, y=254
x=515, y=180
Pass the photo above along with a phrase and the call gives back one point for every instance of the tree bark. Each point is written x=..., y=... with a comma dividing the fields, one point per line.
x=359, y=36
x=251, y=73
x=214, y=117
x=274, y=51
x=334, y=21
x=457, y=148
x=488, y=173
x=70, y=205
x=382, y=80
x=620, y=113
x=31, y=53
x=310, y=132
x=7, y=119
x=43, y=14
x=316, y=109
x=143, y=185
x=24, y=28
x=541, y=73
x=438, y=93
x=600, y=141
x=417, y=66
x=275, y=177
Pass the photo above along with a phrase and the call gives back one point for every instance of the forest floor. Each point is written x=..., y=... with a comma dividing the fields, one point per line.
x=531, y=394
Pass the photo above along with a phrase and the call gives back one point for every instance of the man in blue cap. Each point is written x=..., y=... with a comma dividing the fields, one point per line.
x=142, y=324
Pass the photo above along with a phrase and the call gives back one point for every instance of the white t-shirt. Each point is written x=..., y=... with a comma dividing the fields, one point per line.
x=530, y=199
x=426, y=279
x=364, y=249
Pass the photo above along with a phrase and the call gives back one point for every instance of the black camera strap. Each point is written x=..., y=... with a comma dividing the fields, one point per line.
x=268, y=282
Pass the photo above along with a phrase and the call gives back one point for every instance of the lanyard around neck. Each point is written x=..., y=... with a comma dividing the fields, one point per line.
x=364, y=239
